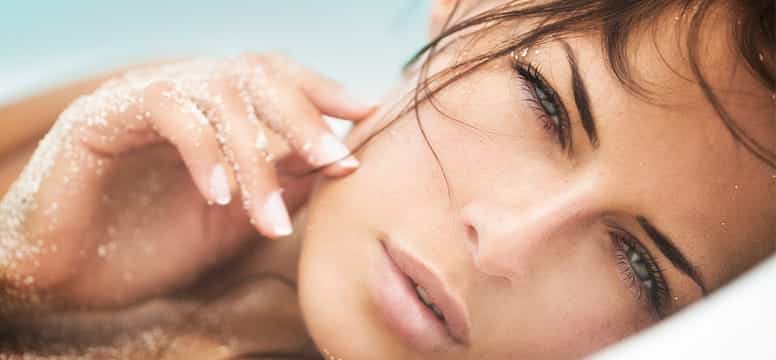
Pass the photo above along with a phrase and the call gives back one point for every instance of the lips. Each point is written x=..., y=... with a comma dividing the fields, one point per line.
x=416, y=302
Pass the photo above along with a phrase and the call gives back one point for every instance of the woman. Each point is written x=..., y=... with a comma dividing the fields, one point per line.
x=561, y=175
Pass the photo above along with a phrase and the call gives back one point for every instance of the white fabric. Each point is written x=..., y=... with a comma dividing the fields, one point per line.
x=736, y=322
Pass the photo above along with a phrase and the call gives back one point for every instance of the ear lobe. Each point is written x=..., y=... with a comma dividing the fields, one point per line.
x=440, y=11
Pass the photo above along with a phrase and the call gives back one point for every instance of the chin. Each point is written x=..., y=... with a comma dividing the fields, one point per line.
x=332, y=290
x=340, y=244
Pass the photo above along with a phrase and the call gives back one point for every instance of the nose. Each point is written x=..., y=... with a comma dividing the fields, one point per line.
x=507, y=241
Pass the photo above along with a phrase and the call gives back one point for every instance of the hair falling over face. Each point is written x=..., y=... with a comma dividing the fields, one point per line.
x=616, y=23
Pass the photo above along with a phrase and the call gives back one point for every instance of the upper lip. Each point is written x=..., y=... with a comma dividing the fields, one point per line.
x=437, y=289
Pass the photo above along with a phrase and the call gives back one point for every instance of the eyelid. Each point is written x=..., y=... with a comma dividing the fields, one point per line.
x=657, y=301
x=530, y=73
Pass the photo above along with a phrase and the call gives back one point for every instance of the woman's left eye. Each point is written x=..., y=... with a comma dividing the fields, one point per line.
x=640, y=270
x=545, y=101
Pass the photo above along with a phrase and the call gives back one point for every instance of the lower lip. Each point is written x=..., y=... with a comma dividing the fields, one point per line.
x=401, y=309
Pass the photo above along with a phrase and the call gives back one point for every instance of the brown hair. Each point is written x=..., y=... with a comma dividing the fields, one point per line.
x=614, y=20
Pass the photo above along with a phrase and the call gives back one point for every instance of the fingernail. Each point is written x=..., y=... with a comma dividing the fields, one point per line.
x=349, y=162
x=275, y=214
x=331, y=149
x=219, y=186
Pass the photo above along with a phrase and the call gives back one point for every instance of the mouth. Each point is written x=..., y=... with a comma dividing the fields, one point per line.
x=423, y=296
x=416, y=302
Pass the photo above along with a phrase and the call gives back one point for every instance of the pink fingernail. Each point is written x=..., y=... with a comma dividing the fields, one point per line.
x=349, y=162
x=275, y=214
x=219, y=186
x=331, y=149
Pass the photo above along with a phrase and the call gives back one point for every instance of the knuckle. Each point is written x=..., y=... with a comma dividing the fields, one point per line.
x=159, y=86
x=271, y=60
x=156, y=89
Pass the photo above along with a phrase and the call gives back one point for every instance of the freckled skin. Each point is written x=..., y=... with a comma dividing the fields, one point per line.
x=128, y=199
x=543, y=281
x=518, y=231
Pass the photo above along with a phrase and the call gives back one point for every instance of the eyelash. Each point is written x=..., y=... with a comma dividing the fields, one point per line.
x=655, y=296
x=533, y=82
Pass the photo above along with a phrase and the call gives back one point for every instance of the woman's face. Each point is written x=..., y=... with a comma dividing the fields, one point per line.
x=535, y=241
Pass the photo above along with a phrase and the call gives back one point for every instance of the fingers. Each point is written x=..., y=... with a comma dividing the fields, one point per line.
x=327, y=95
x=288, y=112
x=296, y=188
x=229, y=141
x=245, y=145
x=174, y=117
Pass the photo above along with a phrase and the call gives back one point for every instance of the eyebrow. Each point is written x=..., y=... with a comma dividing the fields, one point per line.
x=581, y=98
x=663, y=243
x=672, y=253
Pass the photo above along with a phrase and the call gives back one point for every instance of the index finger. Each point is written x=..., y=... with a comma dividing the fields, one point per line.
x=329, y=96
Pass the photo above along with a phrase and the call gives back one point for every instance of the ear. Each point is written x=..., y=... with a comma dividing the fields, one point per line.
x=440, y=11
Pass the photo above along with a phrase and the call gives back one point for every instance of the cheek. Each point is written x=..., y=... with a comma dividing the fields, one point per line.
x=398, y=170
x=394, y=187
x=569, y=306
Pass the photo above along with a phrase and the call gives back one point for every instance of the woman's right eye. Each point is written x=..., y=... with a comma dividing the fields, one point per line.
x=546, y=102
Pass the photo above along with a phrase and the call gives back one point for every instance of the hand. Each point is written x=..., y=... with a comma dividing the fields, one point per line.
x=164, y=172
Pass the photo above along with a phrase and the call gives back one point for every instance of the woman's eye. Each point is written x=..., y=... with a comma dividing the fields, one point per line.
x=547, y=104
x=640, y=271
x=545, y=101
x=639, y=266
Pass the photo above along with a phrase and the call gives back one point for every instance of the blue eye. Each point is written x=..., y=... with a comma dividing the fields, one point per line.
x=546, y=103
x=640, y=271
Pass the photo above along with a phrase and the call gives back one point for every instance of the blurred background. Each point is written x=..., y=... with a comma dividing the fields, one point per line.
x=360, y=43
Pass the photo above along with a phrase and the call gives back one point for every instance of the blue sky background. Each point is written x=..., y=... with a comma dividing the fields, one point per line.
x=361, y=43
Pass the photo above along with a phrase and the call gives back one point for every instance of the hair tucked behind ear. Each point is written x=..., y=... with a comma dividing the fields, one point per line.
x=615, y=21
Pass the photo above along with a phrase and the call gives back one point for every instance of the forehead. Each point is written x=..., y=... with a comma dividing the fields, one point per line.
x=687, y=172
x=672, y=156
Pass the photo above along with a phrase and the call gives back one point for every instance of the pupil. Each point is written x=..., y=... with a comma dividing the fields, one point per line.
x=540, y=93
